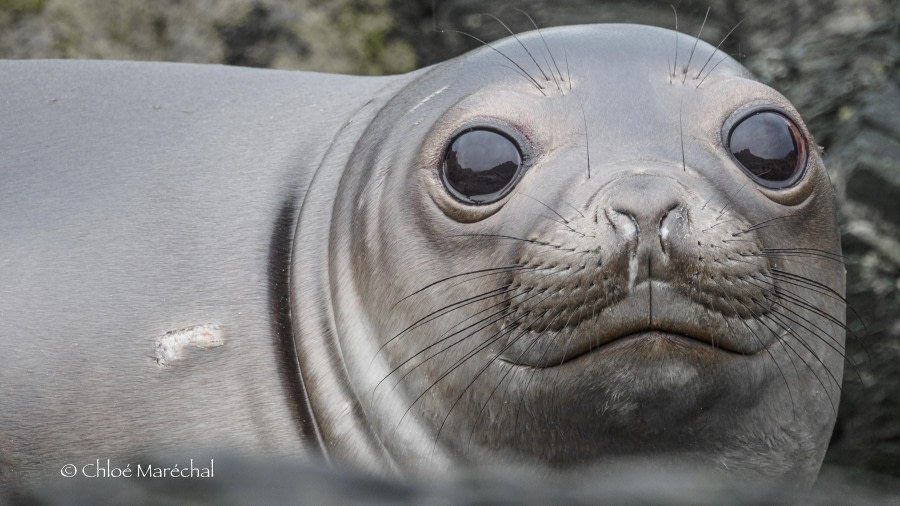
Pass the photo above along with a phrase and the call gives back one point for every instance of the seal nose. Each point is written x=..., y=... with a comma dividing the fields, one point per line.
x=647, y=214
x=647, y=202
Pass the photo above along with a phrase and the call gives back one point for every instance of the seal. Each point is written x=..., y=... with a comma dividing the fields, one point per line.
x=565, y=248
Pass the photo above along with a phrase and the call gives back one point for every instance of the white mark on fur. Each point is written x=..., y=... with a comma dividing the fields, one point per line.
x=429, y=97
x=172, y=345
x=632, y=271
x=627, y=228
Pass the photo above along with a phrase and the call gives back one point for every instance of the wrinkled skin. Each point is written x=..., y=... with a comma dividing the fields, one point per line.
x=625, y=298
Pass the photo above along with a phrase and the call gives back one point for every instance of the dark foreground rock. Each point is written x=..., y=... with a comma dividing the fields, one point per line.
x=238, y=481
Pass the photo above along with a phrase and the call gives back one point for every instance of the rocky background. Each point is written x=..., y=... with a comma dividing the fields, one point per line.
x=834, y=59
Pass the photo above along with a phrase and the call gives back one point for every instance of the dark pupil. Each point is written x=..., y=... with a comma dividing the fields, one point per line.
x=479, y=165
x=769, y=146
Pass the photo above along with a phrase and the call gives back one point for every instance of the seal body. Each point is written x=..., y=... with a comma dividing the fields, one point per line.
x=280, y=262
x=138, y=200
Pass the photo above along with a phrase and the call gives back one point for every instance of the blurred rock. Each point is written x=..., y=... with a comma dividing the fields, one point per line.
x=342, y=36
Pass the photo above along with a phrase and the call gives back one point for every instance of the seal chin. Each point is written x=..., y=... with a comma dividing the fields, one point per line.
x=657, y=364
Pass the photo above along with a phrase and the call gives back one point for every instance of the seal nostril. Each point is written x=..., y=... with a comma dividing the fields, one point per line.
x=666, y=226
x=625, y=224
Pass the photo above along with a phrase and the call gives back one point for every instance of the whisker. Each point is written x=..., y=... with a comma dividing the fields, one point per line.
x=490, y=319
x=446, y=309
x=716, y=50
x=481, y=371
x=587, y=137
x=545, y=205
x=479, y=271
x=821, y=286
x=501, y=236
x=793, y=258
x=783, y=294
x=564, y=224
x=489, y=341
x=791, y=253
x=707, y=202
x=820, y=252
x=785, y=344
x=681, y=134
x=562, y=358
x=675, y=64
x=789, y=296
x=769, y=352
x=763, y=224
x=547, y=348
x=809, y=284
x=777, y=337
x=500, y=315
x=536, y=268
x=730, y=202
x=696, y=41
x=711, y=71
x=541, y=34
x=474, y=379
x=789, y=328
x=776, y=318
x=522, y=354
x=714, y=225
x=543, y=354
x=573, y=207
x=459, y=362
x=501, y=53
x=516, y=36
x=518, y=73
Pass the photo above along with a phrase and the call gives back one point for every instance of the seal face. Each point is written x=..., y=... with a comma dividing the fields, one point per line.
x=570, y=259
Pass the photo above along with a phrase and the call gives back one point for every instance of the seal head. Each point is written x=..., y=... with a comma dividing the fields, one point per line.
x=561, y=260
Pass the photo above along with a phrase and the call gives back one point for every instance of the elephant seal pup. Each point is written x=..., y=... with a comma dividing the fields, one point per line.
x=621, y=246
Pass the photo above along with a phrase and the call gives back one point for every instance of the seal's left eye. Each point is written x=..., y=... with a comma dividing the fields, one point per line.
x=481, y=166
x=769, y=147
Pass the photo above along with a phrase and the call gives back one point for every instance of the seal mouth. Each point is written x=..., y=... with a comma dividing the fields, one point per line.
x=653, y=339
x=679, y=325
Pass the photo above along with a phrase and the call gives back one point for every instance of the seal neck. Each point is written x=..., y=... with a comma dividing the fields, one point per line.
x=337, y=418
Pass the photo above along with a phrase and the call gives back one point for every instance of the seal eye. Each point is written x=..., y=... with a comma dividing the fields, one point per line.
x=481, y=166
x=769, y=147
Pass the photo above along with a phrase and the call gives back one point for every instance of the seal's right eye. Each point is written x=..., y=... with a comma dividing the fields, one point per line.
x=481, y=166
